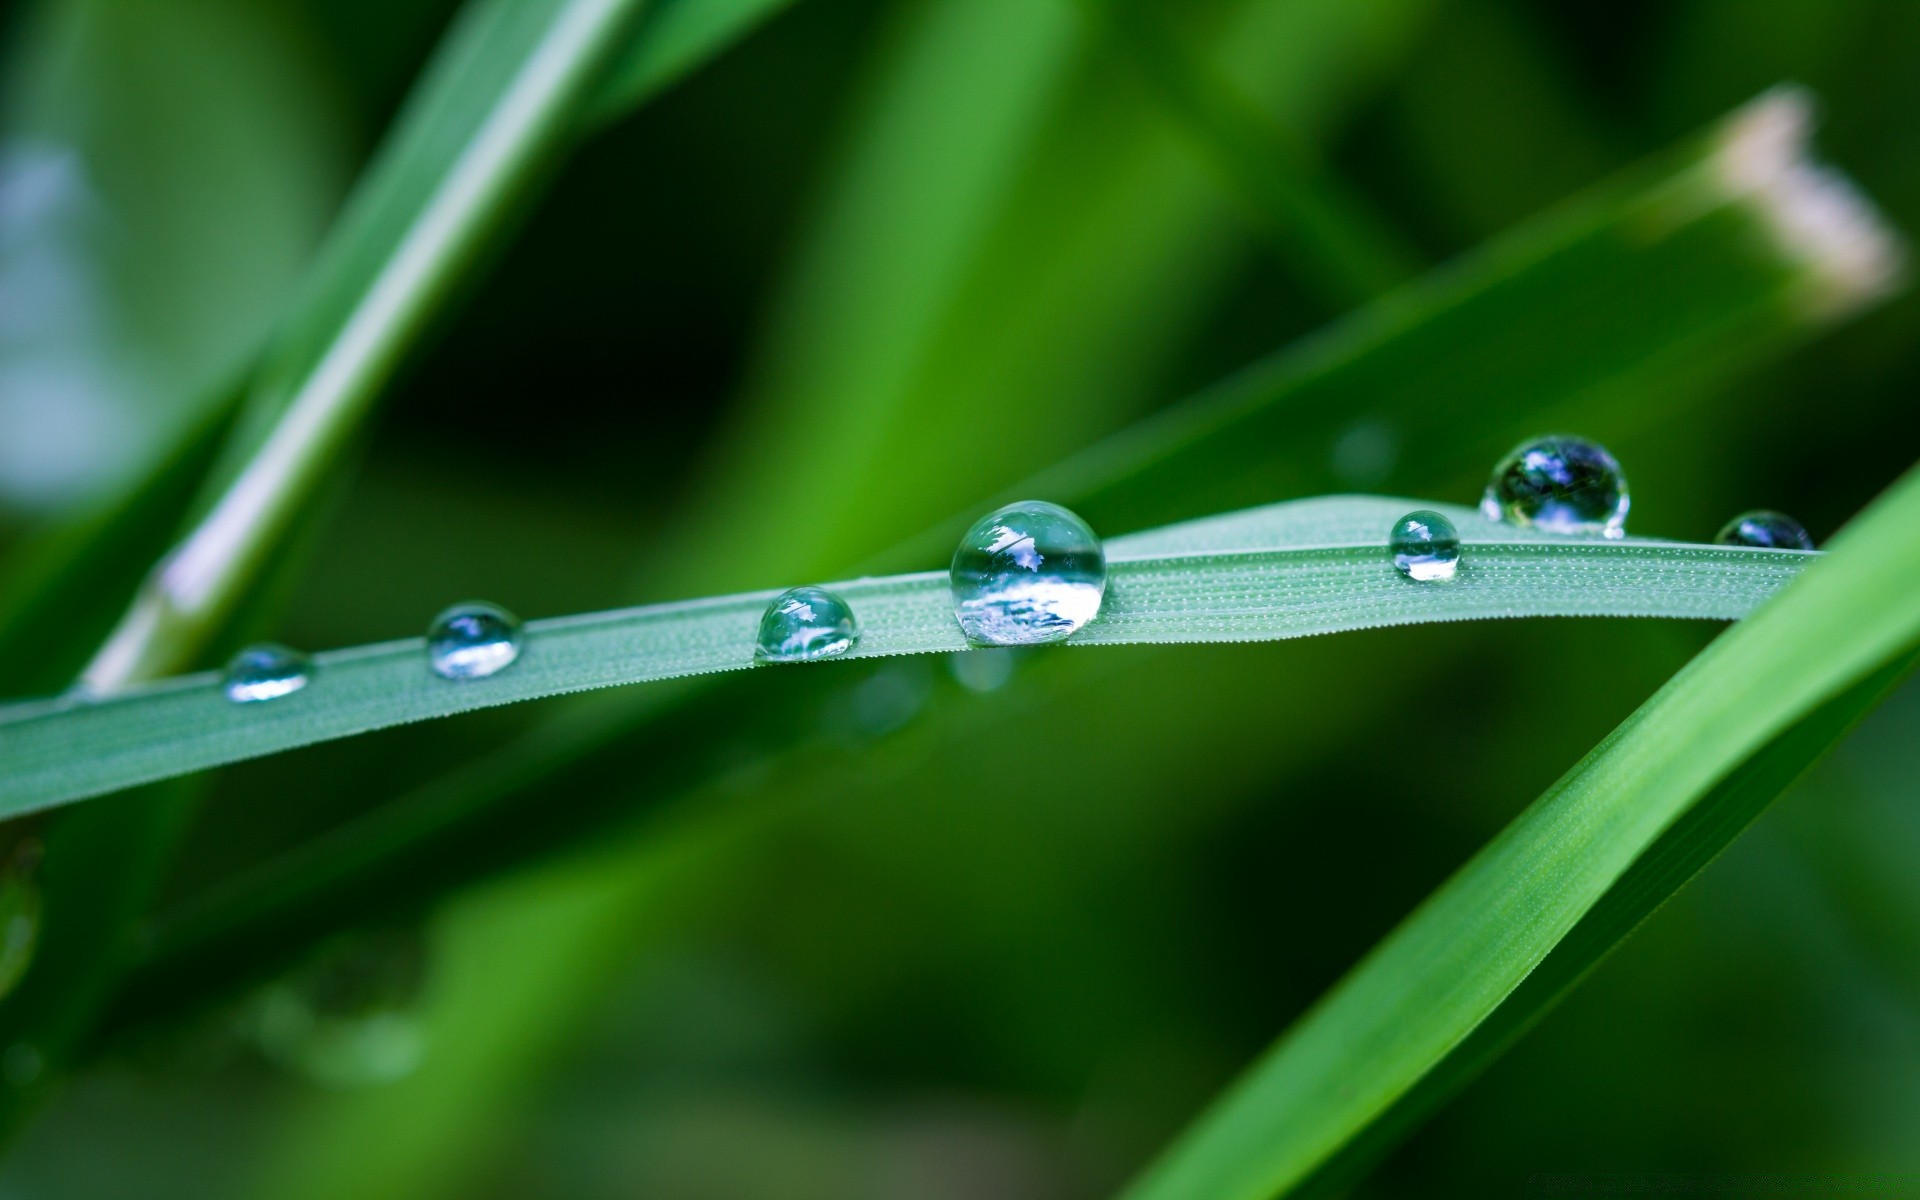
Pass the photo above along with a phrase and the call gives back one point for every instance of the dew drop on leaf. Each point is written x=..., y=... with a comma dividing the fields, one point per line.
x=1028, y=573
x=803, y=624
x=1425, y=546
x=1766, y=529
x=1559, y=484
x=266, y=671
x=473, y=640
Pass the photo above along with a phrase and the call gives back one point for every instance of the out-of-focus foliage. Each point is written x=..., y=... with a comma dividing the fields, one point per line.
x=965, y=933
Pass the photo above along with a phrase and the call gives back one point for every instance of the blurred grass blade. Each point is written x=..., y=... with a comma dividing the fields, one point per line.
x=673, y=38
x=1424, y=991
x=1718, y=256
x=1331, y=236
x=494, y=107
x=1289, y=570
x=1693, y=841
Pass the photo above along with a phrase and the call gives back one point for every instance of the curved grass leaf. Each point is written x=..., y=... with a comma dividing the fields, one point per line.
x=494, y=108
x=1289, y=570
x=1605, y=845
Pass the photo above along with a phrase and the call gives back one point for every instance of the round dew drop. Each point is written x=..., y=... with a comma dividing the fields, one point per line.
x=1559, y=484
x=1766, y=529
x=472, y=641
x=1425, y=546
x=1025, y=574
x=265, y=672
x=803, y=624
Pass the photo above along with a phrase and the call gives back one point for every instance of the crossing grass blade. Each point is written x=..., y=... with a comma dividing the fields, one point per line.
x=1573, y=874
x=1288, y=570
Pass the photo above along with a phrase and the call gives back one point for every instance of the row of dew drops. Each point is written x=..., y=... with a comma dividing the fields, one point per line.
x=1034, y=572
x=1026, y=574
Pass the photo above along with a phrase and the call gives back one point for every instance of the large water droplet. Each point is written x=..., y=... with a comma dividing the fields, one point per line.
x=805, y=623
x=349, y=1017
x=473, y=640
x=266, y=672
x=1767, y=529
x=19, y=911
x=1425, y=546
x=1028, y=573
x=1560, y=484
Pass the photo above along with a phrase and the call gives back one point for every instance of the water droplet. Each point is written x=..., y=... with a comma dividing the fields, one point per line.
x=1425, y=546
x=805, y=623
x=1767, y=529
x=473, y=640
x=266, y=672
x=1028, y=573
x=1561, y=485
x=19, y=911
x=349, y=1018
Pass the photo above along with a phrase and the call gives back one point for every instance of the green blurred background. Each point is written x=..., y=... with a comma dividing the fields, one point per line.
x=989, y=929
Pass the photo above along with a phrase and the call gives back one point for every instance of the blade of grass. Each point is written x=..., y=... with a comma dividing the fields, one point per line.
x=674, y=37
x=493, y=110
x=1331, y=236
x=1458, y=364
x=1448, y=968
x=1291, y=570
x=1682, y=852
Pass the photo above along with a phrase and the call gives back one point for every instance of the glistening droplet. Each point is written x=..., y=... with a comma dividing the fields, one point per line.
x=1425, y=546
x=1767, y=529
x=473, y=640
x=805, y=623
x=1559, y=484
x=1028, y=573
x=266, y=672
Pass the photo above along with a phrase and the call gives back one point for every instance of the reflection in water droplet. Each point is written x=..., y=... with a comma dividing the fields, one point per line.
x=983, y=668
x=1561, y=485
x=266, y=672
x=19, y=911
x=349, y=1017
x=1028, y=573
x=1425, y=546
x=805, y=623
x=473, y=640
x=1766, y=529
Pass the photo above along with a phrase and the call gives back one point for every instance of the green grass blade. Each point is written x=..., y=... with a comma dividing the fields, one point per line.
x=1327, y=233
x=674, y=37
x=1457, y=365
x=1681, y=853
x=1451, y=966
x=495, y=107
x=1290, y=570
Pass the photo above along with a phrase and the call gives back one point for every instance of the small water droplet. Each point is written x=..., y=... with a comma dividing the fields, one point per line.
x=473, y=640
x=1559, y=484
x=1425, y=546
x=1028, y=573
x=1767, y=529
x=267, y=671
x=349, y=1017
x=803, y=624
x=19, y=910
